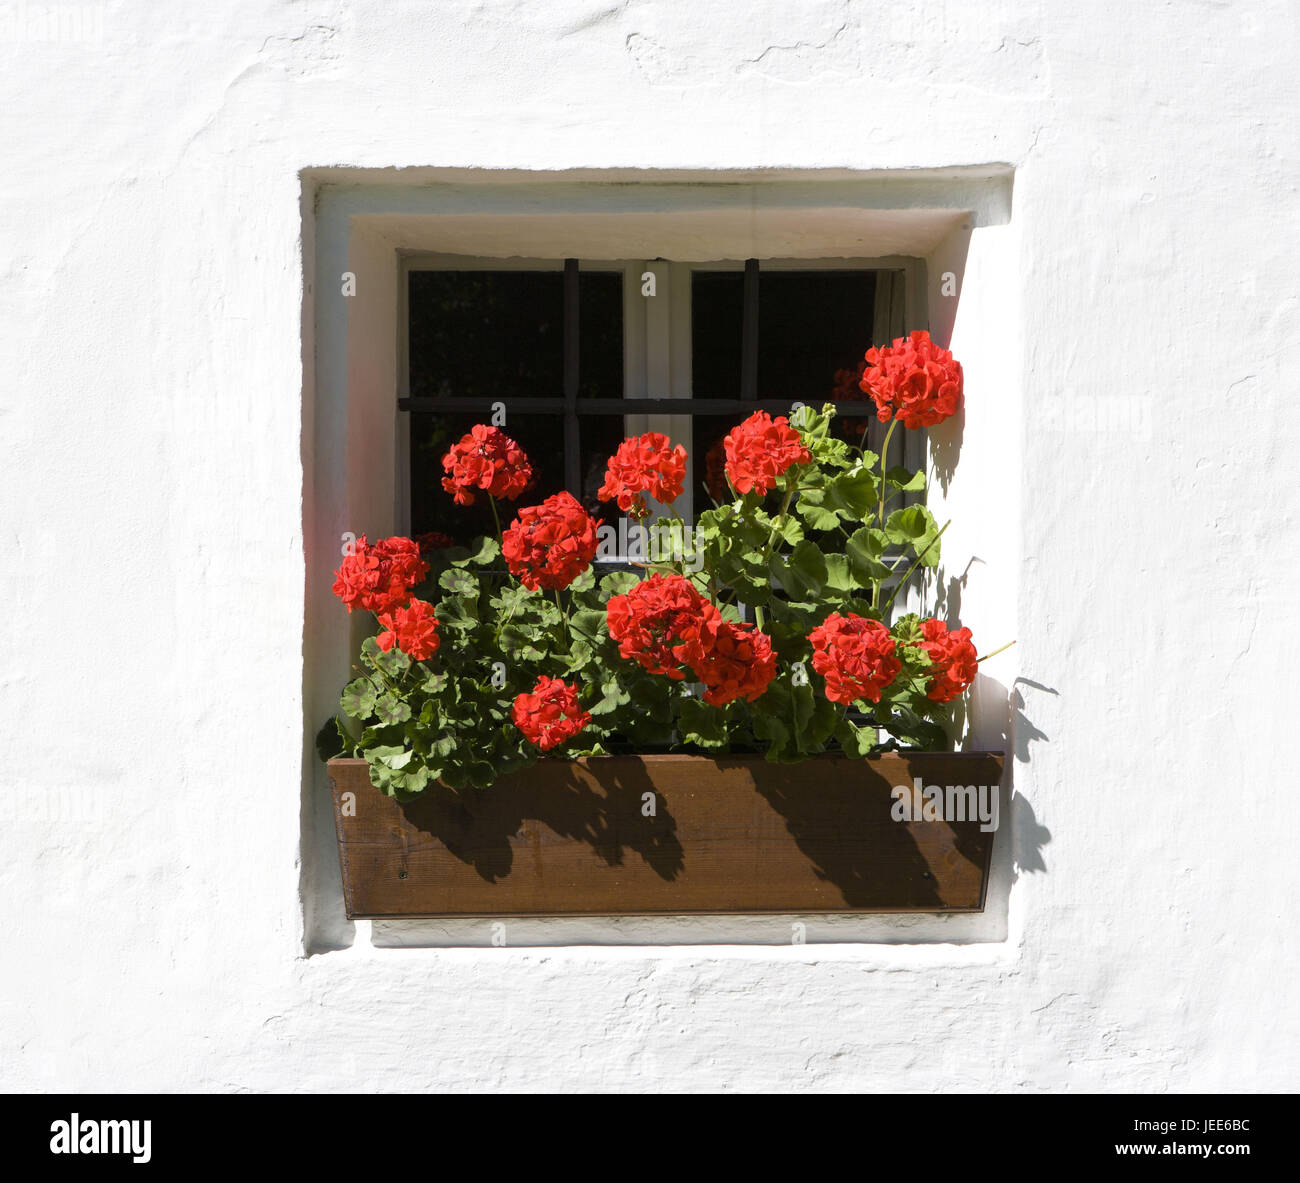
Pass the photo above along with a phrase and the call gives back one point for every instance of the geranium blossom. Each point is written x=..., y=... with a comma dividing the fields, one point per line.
x=644, y=464
x=731, y=660
x=953, y=658
x=651, y=620
x=856, y=656
x=913, y=380
x=413, y=629
x=550, y=545
x=487, y=460
x=379, y=578
x=760, y=450
x=551, y=714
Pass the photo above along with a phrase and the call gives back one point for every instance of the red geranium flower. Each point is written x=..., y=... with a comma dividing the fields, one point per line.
x=913, y=380
x=551, y=544
x=550, y=715
x=489, y=460
x=644, y=464
x=379, y=578
x=855, y=655
x=654, y=616
x=732, y=660
x=413, y=629
x=760, y=450
x=953, y=657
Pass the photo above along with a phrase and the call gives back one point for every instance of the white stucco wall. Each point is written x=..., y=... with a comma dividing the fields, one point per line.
x=160, y=864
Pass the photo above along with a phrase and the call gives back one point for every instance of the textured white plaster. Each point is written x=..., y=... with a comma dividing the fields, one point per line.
x=162, y=514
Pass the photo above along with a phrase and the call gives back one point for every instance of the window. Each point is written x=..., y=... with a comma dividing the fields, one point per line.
x=580, y=354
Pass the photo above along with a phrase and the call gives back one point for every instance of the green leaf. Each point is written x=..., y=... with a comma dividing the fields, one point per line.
x=459, y=582
x=815, y=514
x=855, y=493
x=702, y=724
x=864, y=548
x=905, y=480
x=803, y=575
x=332, y=739
x=915, y=526
x=358, y=699
x=389, y=710
x=856, y=741
x=839, y=575
x=394, y=663
x=588, y=623
x=481, y=551
x=457, y=612
x=618, y=583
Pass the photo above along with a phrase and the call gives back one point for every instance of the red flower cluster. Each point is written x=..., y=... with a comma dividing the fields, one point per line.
x=953, y=657
x=732, y=660
x=413, y=629
x=489, y=460
x=855, y=655
x=433, y=540
x=550, y=715
x=551, y=544
x=760, y=450
x=651, y=620
x=645, y=464
x=913, y=380
x=664, y=623
x=379, y=578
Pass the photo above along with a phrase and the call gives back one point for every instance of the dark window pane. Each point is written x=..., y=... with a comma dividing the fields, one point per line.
x=600, y=334
x=601, y=436
x=811, y=324
x=481, y=334
x=717, y=325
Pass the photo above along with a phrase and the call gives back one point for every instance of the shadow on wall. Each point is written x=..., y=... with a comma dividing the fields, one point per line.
x=947, y=274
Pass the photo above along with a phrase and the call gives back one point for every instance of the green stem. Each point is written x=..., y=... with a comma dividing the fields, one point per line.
x=791, y=486
x=564, y=616
x=884, y=454
x=995, y=652
x=902, y=582
x=880, y=507
x=492, y=501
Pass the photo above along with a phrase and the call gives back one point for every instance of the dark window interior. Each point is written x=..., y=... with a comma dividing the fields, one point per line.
x=500, y=336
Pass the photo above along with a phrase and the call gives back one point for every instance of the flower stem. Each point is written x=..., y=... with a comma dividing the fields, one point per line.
x=492, y=501
x=995, y=652
x=899, y=587
x=884, y=454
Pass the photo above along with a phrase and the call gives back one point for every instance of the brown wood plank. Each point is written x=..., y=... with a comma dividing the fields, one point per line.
x=730, y=835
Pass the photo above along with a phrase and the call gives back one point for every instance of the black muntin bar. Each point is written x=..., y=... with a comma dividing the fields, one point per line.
x=749, y=335
x=631, y=406
x=572, y=435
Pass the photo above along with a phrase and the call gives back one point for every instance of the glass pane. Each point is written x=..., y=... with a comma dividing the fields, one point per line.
x=479, y=334
x=600, y=334
x=717, y=329
x=811, y=324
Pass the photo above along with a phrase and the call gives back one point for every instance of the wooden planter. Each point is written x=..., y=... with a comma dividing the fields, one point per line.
x=734, y=834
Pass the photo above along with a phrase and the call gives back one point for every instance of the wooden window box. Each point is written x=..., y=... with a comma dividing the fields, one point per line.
x=727, y=835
